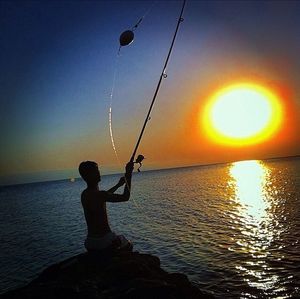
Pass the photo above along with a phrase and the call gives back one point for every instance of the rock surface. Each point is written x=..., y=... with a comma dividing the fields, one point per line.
x=123, y=275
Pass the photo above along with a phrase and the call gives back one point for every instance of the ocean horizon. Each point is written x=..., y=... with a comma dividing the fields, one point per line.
x=68, y=174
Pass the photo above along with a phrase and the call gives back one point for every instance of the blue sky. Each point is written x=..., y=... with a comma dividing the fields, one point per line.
x=58, y=57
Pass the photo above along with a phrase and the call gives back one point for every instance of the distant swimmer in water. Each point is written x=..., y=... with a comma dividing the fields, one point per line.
x=100, y=236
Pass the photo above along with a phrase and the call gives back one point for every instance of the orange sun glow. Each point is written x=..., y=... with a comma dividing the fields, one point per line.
x=242, y=114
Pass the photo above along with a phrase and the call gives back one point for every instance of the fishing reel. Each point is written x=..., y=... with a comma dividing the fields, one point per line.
x=139, y=160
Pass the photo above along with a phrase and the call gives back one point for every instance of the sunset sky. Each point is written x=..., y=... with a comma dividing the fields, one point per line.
x=57, y=62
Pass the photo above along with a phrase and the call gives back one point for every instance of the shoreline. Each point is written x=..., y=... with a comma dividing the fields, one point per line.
x=121, y=275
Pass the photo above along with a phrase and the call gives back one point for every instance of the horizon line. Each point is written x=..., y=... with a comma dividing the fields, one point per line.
x=150, y=170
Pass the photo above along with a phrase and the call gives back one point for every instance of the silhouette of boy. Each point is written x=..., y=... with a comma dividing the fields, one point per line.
x=100, y=236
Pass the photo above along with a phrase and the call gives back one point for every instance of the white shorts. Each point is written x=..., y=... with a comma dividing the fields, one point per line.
x=100, y=243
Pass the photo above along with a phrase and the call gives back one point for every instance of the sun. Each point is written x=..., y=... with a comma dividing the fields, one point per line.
x=242, y=114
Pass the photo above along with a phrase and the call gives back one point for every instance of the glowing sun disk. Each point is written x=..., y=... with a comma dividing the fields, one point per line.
x=242, y=114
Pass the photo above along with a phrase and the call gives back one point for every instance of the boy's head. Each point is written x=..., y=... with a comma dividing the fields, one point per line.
x=89, y=172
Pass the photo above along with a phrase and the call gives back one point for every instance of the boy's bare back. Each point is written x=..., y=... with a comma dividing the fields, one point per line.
x=94, y=205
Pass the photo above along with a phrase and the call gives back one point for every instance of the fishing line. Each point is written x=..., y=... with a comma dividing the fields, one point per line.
x=110, y=118
x=129, y=34
x=128, y=38
x=163, y=75
x=110, y=109
x=145, y=14
x=125, y=39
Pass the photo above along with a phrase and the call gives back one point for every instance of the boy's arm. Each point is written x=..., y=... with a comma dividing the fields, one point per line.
x=126, y=193
x=117, y=186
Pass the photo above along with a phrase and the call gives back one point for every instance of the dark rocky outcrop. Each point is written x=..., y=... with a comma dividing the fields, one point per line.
x=123, y=275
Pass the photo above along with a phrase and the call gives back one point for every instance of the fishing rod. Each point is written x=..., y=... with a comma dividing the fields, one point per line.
x=140, y=158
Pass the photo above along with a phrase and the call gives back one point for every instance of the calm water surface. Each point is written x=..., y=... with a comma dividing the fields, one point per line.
x=234, y=229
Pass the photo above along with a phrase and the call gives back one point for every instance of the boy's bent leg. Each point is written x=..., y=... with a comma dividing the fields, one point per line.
x=124, y=244
x=108, y=243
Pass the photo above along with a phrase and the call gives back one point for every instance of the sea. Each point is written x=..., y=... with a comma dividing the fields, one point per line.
x=233, y=229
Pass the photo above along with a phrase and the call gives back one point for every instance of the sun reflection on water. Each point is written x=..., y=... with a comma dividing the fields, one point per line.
x=250, y=182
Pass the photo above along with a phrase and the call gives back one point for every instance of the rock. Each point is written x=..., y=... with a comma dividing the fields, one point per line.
x=122, y=275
